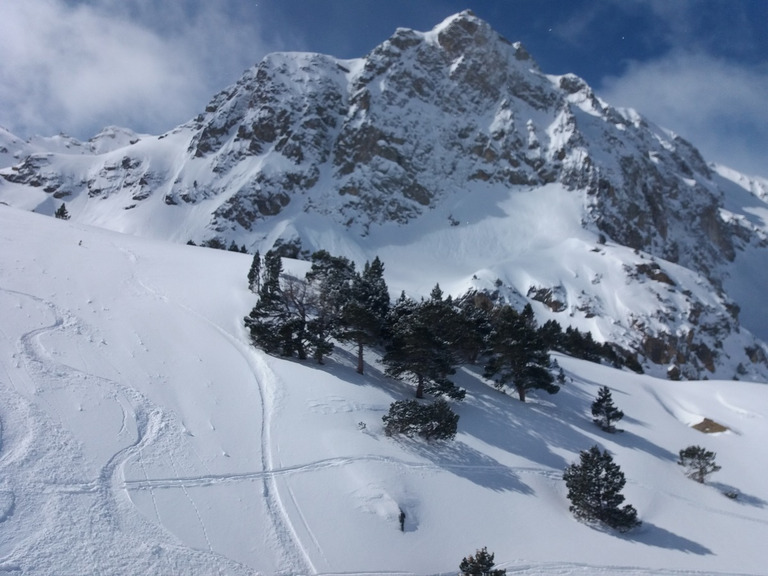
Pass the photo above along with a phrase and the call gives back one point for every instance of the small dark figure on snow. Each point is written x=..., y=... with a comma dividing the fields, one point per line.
x=402, y=520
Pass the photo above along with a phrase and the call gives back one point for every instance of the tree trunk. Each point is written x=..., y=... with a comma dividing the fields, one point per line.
x=360, y=357
x=521, y=392
x=420, y=387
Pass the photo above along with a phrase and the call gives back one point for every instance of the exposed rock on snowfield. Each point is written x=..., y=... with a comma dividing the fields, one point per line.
x=439, y=133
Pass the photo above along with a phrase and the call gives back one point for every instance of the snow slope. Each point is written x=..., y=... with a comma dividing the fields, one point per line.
x=142, y=434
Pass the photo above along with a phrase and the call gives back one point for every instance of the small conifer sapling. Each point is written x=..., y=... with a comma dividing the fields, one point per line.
x=698, y=463
x=604, y=413
x=61, y=212
x=480, y=564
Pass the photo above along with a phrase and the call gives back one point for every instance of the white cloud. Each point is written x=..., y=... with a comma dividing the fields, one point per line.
x=76, y=68
x=719, y=106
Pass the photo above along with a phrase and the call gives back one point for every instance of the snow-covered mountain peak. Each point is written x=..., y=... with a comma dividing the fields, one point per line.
x=111, y=138
x=428, y=135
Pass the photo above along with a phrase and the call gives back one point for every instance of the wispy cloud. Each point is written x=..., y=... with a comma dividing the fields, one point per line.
x=717, y=105
x=77, y=67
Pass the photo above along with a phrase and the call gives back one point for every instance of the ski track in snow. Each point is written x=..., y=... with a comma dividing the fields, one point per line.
x=287, y=538
x=209, y=480
x=114, y=533
x=296, y=558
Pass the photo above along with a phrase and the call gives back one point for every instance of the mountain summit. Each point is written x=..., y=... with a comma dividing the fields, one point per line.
x=446, y=145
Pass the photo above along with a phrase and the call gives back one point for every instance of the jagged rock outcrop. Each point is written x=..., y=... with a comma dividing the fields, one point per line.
x=396, y=131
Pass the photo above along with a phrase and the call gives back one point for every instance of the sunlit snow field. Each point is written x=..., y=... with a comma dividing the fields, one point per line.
x=142, y=434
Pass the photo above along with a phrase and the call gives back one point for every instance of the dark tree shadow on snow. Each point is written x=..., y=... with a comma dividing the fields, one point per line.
x=737, y=496
x=656, y=536
x=534, y=428
x=635, y=442
x=524, y=429
x=539, y=428
x=466, y=462
x=342, y=364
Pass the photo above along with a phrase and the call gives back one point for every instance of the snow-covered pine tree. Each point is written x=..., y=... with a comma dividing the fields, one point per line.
x=604, y=413
x=268, y=314
x=278, y=322
x=594, y=489
x=330, y=280
x=472, y=325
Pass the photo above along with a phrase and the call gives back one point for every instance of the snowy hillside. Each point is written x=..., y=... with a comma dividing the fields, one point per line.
x=142, y=434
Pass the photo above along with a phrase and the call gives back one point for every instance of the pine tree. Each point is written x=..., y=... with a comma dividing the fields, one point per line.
x=434, y=421
x=278, y=322
x=268, y=315
x=215, y=243
x=517, y=355
x=273, y=269
x=552, y=335
x=417, y=350
x=472, y=326
x=481, y=564
x=296, y=333
x=604, y=412
x=698, y=462
x=455, y=326
x=364, y=315
x=330, y=279
x=61, y=212
x=594, y=489
x=254, y=274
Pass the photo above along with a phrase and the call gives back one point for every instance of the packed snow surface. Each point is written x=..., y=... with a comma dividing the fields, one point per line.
x=142, y=434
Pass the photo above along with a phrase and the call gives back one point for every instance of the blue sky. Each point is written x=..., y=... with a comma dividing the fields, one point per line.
x=698, y=67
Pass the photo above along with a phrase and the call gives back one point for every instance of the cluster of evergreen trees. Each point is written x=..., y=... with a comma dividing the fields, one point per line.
x=480, y=564
x=433, y=421
x=301, y=316
x=423, y=341
x=595, y=482
x=217, y=244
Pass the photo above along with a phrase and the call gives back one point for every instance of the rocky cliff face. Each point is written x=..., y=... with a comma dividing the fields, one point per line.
x=385, y=137
x=388, y=138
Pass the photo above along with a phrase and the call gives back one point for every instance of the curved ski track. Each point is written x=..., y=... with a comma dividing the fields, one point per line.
x=286, y=540
x=45, y=466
